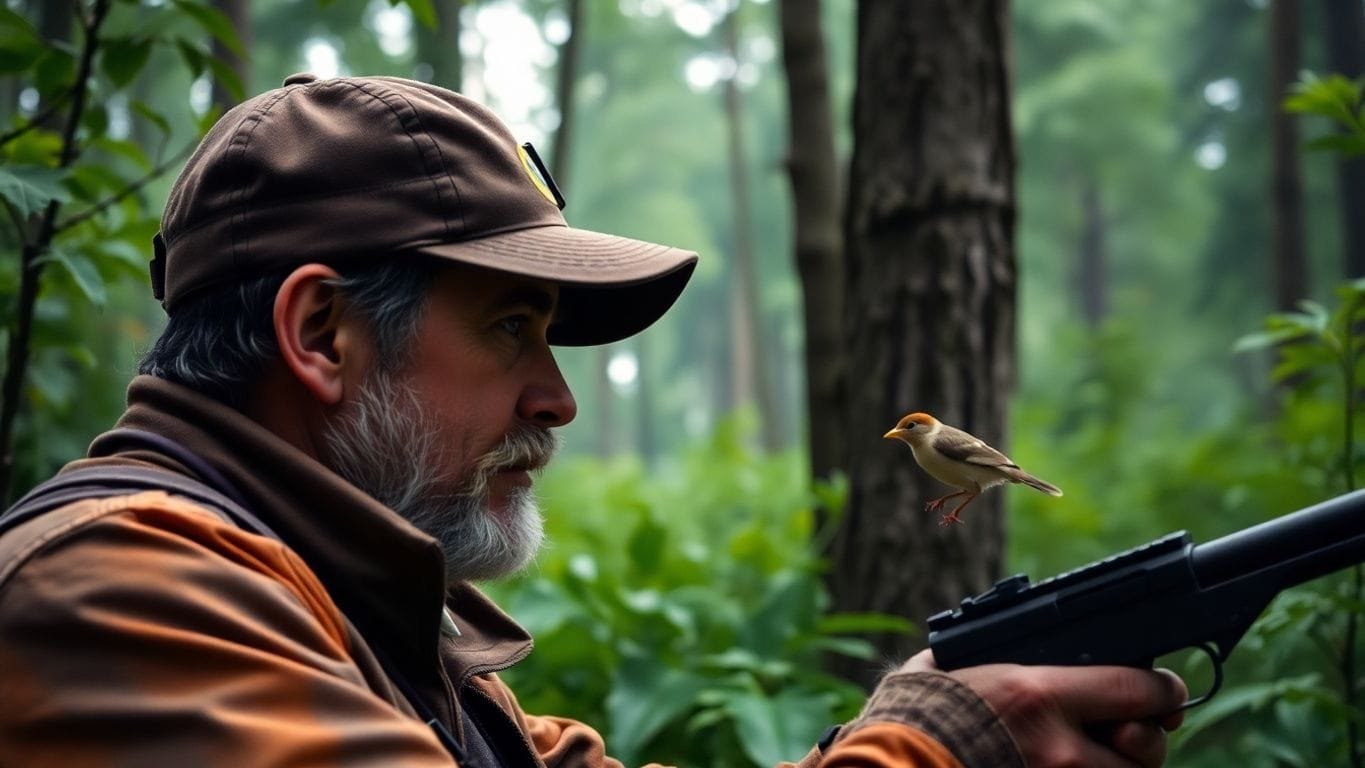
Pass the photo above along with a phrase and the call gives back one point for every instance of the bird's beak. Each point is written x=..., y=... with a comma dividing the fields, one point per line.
x=894, y=434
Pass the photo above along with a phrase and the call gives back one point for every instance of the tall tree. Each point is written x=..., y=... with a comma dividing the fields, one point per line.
x=439, y=47
x=566, y=75
x=1289, y=266
x=929, y=243
x=812, y=163
x=238, y=13
x=1345, y=35
x=751, y=379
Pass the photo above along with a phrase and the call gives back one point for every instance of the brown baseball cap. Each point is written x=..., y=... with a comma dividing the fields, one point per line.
x=354, y=169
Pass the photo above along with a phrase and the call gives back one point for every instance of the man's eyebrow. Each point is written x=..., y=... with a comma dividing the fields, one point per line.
x=538, y=299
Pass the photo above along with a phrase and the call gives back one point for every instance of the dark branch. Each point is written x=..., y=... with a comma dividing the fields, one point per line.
x=37, y=120
x=31, y=261
x=132, y=188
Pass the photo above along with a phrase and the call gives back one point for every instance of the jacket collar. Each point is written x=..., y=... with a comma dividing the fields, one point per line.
x=385, y=575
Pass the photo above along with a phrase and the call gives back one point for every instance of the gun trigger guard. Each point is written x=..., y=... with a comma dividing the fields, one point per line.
x=1212, y=653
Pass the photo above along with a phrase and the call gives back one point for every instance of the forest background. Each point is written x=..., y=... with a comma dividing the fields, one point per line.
x=1081, y=229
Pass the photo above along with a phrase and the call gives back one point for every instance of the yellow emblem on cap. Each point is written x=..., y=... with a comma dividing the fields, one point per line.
x=534, y=175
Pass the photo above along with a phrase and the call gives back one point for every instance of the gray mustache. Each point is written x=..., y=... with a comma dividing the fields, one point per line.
x=526, y=447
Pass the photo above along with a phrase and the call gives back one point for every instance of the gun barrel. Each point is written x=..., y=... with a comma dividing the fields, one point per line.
x=1299, y=546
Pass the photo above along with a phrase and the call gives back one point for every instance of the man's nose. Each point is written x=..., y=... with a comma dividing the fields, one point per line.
x=547, y=401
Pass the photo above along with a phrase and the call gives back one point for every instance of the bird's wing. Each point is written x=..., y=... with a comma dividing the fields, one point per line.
x=962, y=446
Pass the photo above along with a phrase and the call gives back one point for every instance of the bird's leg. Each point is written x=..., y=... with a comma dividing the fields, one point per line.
x=933, y=506
x=952, y=517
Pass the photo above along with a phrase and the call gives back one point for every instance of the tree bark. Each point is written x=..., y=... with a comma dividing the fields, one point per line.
x=751, y=378
x=1092, y=274
x=1345, y=36
x=1289, y=267
x=929, y=244
x=813, y=165
x=564, y=85
x=238, y=13
x=439, y=48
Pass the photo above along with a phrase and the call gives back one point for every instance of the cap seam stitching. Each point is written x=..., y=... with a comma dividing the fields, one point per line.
x=417, y=118
x=256, y=117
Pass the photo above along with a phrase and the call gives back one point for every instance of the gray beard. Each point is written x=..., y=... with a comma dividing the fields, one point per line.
x=385, y=445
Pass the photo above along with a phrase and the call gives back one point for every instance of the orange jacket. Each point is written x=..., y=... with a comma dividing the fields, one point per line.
x=146, y=630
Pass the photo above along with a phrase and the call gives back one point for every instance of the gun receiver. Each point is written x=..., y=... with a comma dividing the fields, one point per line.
x=1161, y=597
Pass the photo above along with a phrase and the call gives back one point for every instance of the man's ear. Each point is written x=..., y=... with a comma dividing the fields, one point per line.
x=318, y=344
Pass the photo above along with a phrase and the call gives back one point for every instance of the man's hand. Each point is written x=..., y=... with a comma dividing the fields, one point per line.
x=1078, y=716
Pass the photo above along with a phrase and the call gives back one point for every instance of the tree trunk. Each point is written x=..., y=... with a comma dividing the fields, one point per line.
x=752, y=382
x=814, y=168
x=238, y=13
x=929, y=243
x=1092, y=273
x=1289, y=268
x=438, y=50
x=1345, y=36
x=564, y=85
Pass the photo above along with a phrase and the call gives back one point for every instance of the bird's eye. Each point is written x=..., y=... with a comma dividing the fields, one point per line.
x=911, y=425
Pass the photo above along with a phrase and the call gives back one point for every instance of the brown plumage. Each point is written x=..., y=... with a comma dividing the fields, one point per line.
x=961, y=460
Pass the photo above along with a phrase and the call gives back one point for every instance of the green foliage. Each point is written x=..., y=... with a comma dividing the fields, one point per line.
x=681, y=611
x=1339, y=99
x=1311, y=633
x=77, y=219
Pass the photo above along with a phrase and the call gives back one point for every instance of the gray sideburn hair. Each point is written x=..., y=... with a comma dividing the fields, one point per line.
x=220, y=344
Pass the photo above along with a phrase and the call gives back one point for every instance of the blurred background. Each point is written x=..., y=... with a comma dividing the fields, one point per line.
x=1122, y=241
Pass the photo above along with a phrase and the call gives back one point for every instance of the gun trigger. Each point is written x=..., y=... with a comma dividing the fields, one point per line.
x=1212, y=653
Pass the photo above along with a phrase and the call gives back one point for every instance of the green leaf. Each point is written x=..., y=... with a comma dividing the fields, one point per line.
x=54, y=73
x=1319, y=314
x=207, y=119
x=215, y=22
x=1348, y=145
x=227, y=78
x=1271, y=338
x=193, y=57
x=1247, y=697
x=30, y=188
x=122, y=59
x=647, y=545
x=20, y=45
x=83, y=272
x=781, y=727
x=646, y=697
x=152, y=116
x=422, y=10
x=95, y=119
x=128, y=150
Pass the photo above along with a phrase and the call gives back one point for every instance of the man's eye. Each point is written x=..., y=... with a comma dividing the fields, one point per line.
x=512, y=325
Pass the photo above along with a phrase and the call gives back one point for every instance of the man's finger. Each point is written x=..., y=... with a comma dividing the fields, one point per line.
x=1117, y=693
x=1143, y=742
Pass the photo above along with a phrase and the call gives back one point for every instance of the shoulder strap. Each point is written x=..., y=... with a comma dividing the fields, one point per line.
x=103, y=482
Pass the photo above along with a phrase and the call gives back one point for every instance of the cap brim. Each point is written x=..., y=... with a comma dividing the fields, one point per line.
x=611, y=287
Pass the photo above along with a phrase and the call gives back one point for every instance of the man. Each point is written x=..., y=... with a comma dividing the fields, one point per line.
x=364, y=277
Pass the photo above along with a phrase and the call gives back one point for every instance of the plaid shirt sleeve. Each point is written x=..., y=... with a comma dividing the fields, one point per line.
x=948, y=712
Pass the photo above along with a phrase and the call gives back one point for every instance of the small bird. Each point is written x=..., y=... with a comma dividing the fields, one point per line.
x=961, y=460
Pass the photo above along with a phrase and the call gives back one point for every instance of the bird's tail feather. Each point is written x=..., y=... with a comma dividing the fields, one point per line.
x=1020, y=476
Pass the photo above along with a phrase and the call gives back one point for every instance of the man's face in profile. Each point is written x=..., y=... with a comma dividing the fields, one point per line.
x=449, y=441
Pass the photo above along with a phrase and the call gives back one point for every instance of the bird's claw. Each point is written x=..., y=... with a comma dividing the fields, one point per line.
x=949, y=519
